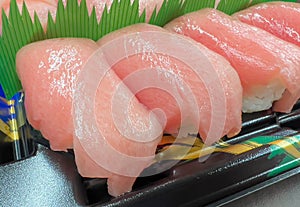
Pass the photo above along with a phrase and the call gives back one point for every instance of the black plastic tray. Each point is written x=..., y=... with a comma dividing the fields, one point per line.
x=50, y=178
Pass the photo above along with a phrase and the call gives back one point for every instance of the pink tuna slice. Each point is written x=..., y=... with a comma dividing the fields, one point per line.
x=173, y=75
x=48, y=71
x=281, y=19
x=115, y=136
x=147, y=5
x=117, y=184
x=269, y=68
x=41, y=7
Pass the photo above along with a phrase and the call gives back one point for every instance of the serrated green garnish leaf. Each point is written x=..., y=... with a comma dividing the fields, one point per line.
x=192, y=5
x=169, y=10
x=18, y=30
x=121, y=14
x=232, y=6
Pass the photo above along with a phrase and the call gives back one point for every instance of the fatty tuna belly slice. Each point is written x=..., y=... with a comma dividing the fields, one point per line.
x=48, y=70
x=41, y=7
x=196, y=89
x=281, y=19
x=115, y=135
x=269, y=68
x=87, y=167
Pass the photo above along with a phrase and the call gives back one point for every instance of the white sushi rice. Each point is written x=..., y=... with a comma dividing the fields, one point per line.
x=263, y=97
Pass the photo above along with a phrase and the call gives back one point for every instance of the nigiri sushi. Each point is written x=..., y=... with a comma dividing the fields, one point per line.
x=121, y=140
x=268, y=67
x=48, y=71
x=128, y=134
x=175, y=76
x=281, y=19
x=41, y=7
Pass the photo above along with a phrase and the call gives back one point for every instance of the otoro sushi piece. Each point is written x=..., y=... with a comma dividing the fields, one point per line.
x=281, y=19
x=269, y=68
x=116, y=136
x=48, y=71
x=41, y=7
x=189, y=83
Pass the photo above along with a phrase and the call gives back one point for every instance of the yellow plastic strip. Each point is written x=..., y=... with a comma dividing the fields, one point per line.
x=13, y=122
x=288, y=147
x=5, y=129
x=198, y=150
x=236, y=149
x=254, y=144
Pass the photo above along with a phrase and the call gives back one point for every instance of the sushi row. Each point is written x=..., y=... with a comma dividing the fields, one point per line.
x=112, y=100
x=267, y=66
